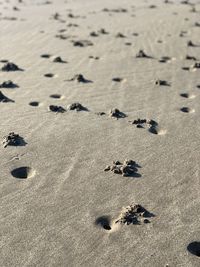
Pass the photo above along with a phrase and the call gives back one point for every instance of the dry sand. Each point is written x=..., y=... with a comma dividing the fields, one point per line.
x=58, y=207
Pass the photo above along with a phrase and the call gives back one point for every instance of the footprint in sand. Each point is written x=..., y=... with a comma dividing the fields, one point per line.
x=194, y=248
x=23, y=172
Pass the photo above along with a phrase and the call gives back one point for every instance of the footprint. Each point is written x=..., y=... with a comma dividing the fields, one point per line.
x=23, y=172
x=194, y=248
x=56, y=96
x=186, y=95
x=187, y=110
x=34, y=103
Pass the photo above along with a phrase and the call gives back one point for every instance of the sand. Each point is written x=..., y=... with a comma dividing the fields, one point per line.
x=127, y=63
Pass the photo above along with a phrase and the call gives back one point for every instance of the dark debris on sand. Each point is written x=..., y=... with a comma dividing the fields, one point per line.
x=196, y=65
x=59, y=60
x=5, y=99
x=127, y=168
x=13, y=139
x=77, y=106
x=142, y=54
x=188, y=57
x=116, y=113
x=8, y=84
x=80, y=78
x=162, y=83
x=134, y=214
x=151, y=125
x=57, y=109
x=11, y=67
x=117, y=79
x=82, y=43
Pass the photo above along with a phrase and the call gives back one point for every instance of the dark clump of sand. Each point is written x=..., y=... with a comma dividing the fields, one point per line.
x=134, y=214
x=11, y=67
x=80, y=78
x=57, y=109
x=127, y=168
x=116, y=113
x=13, y=139
x=5, y=99
x=8, y=84
x=77, y=106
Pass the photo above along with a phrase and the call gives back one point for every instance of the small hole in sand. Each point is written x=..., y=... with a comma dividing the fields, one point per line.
x=49, y=75
x=23, y=172
x=34, y=104
x=186, y=110
x=104, y=222
x=194, y=248
x=56, y=96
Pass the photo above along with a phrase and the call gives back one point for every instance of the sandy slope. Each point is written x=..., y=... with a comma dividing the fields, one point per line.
x=49, y=219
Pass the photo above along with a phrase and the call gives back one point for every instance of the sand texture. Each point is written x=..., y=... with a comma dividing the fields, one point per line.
x=99, y=128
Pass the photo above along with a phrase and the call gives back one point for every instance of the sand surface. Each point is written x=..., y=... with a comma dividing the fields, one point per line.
x=62, y=208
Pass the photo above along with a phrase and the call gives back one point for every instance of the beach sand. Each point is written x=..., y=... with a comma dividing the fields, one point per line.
x=96, y=82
